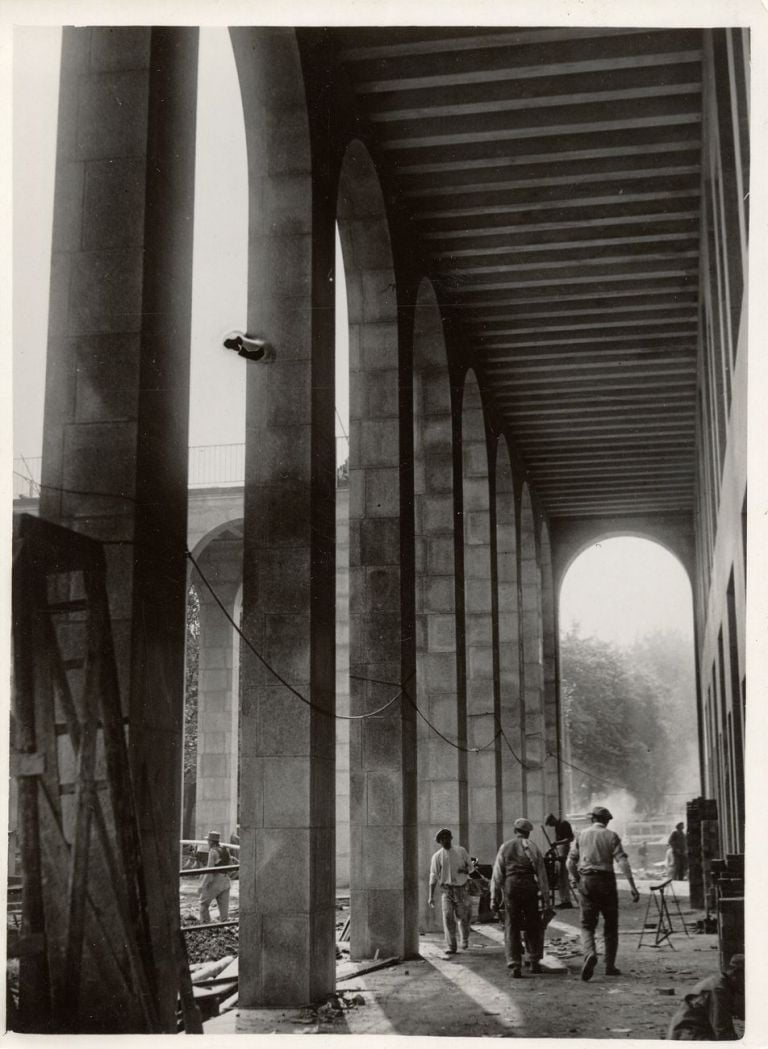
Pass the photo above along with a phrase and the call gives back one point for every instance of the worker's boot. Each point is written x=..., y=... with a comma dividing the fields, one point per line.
x=588, y=967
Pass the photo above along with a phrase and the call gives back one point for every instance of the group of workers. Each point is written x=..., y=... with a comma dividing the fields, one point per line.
x=586, y=866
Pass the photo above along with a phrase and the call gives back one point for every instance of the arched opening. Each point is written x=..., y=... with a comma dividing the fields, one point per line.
x=383, y=907
x=482, y=717
x=628, y=688
x=442, y=768
x=510, y=710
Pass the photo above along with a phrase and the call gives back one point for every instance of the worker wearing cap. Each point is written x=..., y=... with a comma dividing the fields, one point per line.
x=519, y=875
x=216, y=884
x=450, y=870
x=591, y=870
x=706, y=1014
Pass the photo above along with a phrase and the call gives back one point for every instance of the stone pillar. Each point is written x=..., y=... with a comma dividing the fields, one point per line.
x=384, y=889
x=442, y=768
x=342, y=686
x=287, y=882
x=532, y=656
x=218, y=693
x=552, y=778
x=482, y=720
x=510, y=714
x=117, y=391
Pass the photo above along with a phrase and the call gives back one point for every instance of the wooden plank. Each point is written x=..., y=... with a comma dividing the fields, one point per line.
x=78, y=866
x=28, y=764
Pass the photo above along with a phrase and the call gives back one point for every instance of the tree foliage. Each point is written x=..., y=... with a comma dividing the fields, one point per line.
x=190, y=694
x=629, y=714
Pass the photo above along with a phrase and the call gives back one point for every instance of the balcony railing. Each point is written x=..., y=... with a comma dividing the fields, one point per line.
x=210, y=466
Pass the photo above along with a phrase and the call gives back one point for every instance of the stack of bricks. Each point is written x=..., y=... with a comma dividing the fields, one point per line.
x=703, y=846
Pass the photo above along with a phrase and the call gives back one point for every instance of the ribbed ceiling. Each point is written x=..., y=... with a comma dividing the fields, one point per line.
x=553, y=181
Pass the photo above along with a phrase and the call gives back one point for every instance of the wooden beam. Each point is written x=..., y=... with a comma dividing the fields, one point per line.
x=433, y=109
x=520, y=247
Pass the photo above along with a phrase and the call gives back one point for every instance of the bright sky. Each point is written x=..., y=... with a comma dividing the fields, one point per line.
x=624, y=588
x=220, y=272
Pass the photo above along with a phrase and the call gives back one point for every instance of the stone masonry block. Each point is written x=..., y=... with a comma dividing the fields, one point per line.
x=382, y=492
x=477, y=527
x=286, y=792
x=288, y=393
x=477, y=562
x=438, y=672
x=479, y=630
x=112, y=115
x=382, y=857
x=437, y=435
x=282, y=720
x=478, y=596
x=285, y=944
x=380, y=542
x=283, y=581
x=379, y=297
x=383, y=589
x=121, y=47
x=444, y=802
x=382, y=394
x=384, y=798
x=286, y=646
x=380, y=443
x=290, y=849
x=440, y=557
x=439, y=477
x=107, y=377
x=382, y=637
x=382, y=744
x=439, y=595
x=105, y=293
x=441, y=633
x=114, y=204
x=438, y=515
x=284, y=455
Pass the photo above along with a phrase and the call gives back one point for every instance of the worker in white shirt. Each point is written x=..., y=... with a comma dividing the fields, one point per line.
x=449, y=870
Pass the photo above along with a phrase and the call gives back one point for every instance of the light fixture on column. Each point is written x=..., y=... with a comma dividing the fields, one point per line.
x=251, y=347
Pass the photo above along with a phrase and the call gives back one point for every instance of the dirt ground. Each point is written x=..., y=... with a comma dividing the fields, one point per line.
x=472, y=994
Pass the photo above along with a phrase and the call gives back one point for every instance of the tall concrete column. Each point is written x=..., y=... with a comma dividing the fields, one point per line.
x=384, y=889
x=552, y=777
x=532, y=661
x=117, y=392
x=218, y=692
x=510, y=712
x=482, y=721
x=287, y=882
x=442, y=767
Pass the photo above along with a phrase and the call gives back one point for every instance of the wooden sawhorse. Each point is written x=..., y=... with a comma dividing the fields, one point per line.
x=663, y=927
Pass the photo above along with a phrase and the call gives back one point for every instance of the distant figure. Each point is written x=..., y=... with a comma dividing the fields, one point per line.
x=216, y=884
x=519, y=875
x=678, y=842
x=642, y=853
x=450, y=870
x=706, y=1014
x=590, y=865
x=563, y=837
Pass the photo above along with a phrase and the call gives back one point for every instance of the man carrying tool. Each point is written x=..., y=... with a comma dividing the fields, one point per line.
x=519, y=875
x=563, y=837
x=216, y=884
x=450, y=870
x=590, y=866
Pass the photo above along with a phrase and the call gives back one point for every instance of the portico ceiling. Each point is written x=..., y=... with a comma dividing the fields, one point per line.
x=552, y=179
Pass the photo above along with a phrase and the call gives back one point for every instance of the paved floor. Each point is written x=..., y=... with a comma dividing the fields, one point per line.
x=471, y=993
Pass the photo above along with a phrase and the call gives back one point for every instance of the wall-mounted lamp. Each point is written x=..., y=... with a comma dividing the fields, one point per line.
x=251, y=347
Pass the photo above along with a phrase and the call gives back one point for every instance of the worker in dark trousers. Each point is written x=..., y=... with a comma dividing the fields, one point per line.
x=678, y=843
x=591, y=869
x=519, y=875
x=706, y=1014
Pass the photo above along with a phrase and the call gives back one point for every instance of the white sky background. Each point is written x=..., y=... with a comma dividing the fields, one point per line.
x=217, y=393
x=621, y=589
